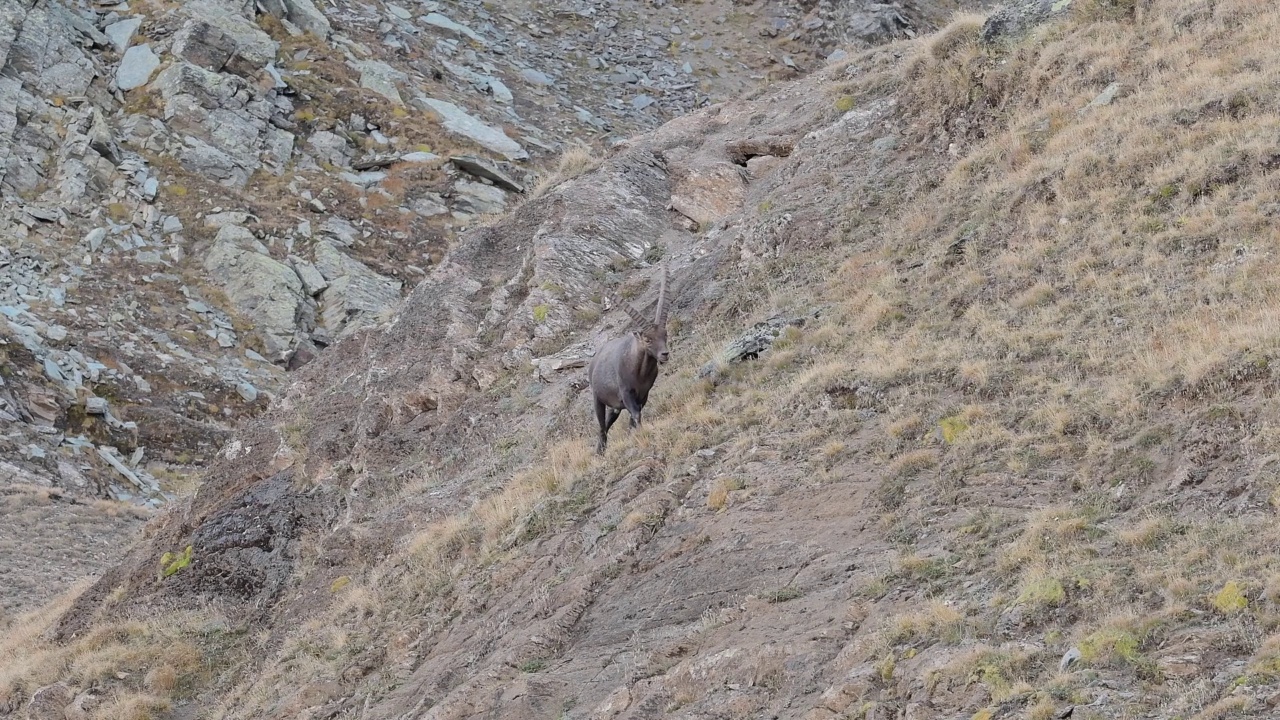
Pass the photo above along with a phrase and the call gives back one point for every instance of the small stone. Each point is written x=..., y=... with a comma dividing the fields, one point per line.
x=95, y=406
x=419, y=157
x=121, y=33
x=52, y=371
x=254, y=356
x=136, y=67
x=172, y=224
x=225, y=340
x=641, y=102
x=1068, y=659
x=247, y=391
x=150, y=188
x=95, y=238
x=197, y=306
x=399, y=12
x=534, y=77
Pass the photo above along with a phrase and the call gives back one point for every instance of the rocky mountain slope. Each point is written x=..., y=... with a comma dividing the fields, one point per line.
x=1009, y=451
x=199, y=197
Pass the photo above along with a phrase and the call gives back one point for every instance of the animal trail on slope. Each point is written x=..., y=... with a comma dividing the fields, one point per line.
x=625, y=368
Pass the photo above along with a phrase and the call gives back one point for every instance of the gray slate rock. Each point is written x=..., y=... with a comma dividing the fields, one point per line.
x=484, y=169
x=304, y=14
x=121, y=33
x=356, y=295
x=478, y=198
x=458, y=121
x=263, y=290
x=755, y=341
x=435, y=19
x=381, y=78
x=136, y=67
x=1017, y=17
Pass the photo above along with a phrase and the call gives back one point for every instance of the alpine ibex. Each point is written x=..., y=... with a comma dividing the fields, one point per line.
x=623, y=371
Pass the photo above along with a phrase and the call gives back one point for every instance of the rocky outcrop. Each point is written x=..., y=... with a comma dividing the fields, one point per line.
x=352, y=295
x=263, y=290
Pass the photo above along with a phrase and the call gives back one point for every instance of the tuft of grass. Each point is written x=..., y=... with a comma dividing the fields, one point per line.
x=574, y=162
x=533, y=666
x=173, y=563
x=1231, y=599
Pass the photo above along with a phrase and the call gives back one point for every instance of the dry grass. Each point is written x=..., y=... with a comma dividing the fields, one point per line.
x=145, y=665
x=574, y=162
x=1076, y=280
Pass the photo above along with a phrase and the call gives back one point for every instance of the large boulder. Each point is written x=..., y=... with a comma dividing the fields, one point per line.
x=261, y=289
x=459, y=122
x=214, y=37
x=356, y=296
x=1018, y=16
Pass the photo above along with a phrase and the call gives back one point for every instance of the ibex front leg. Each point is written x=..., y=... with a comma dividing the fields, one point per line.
x=634, y=409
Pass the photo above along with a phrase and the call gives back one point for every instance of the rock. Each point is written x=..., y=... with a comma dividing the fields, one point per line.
x=48, y=702
x=1018, y=16
x=121, y=33
x=1106, y=97
x=357, y=296
x=312, y=281
x=457, y=121
x=435, y=19
x=484, y=169
x=478, y=198
x=419, y=157
x=172, y=224
x=247, y=391
x=205, y=45
x=263, y=290
x=381, y=78
x=641, y=102
x=710, y=193
x=756, y=340
x=136, y=67
x=304, y=14
x=94, y=238
x=330, y=148
x=533, y=77
x=1069, y=658
x=399, y=12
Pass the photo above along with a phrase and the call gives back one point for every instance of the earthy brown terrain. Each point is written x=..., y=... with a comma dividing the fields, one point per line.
x=1008, y=449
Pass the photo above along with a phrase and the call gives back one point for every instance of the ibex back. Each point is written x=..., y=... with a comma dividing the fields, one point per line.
x=625, y=368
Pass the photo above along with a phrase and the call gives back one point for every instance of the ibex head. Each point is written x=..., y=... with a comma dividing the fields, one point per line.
x=652, y=335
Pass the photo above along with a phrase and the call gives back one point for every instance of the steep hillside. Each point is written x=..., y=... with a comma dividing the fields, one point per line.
x=1010, y=453
x=198, y=197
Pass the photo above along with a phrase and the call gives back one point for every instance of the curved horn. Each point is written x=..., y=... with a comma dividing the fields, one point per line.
x=660, y=319
x=639, y=319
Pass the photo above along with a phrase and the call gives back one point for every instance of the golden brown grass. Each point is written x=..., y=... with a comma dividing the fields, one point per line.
x=1116, y=273
x=575, y=161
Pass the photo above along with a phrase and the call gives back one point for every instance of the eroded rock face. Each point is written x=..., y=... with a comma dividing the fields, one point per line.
x=264, y=290
x=354, y=296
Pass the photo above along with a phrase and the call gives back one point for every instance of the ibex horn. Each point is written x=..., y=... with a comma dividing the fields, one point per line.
x=661, y=318
x=635, y=314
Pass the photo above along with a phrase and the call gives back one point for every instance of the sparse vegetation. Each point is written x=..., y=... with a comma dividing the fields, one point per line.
x=1038, y=407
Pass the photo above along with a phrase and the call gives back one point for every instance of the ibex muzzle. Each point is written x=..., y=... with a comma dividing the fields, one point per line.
x=625, y=368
